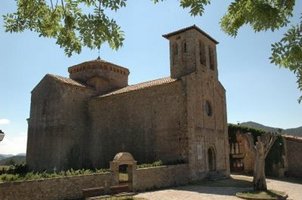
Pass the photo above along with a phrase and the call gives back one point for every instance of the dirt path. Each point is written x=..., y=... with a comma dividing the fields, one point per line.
x=224, y=190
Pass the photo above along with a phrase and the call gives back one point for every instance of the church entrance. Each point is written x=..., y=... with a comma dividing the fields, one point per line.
x=211, y=159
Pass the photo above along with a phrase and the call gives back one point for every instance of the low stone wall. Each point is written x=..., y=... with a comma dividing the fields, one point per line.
x=65, y=188
x=294, y=156
x=159, y=177
x=52, y=189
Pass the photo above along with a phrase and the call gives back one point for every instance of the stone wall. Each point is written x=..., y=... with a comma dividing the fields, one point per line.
x=57, y=125
x=149, y=124
x=294, y=156
x=71, y=187
x=52, y=189
x=159, y=177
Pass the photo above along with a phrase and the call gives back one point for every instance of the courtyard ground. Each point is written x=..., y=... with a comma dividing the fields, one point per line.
x=223, y=189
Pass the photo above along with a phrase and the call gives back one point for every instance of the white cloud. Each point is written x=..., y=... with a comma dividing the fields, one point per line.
x=13, y=144
x=4, y=121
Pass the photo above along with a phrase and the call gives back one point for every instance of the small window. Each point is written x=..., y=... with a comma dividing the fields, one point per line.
x=185, y=46
x=208, y=108
x=44, y=107
x=212, y=59
x=175, y=49
x=202, y=54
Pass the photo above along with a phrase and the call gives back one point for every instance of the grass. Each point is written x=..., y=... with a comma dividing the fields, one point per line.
x=149, y=165
x=263, y=195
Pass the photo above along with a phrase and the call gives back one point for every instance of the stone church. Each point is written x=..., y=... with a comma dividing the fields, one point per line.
x=84, y=120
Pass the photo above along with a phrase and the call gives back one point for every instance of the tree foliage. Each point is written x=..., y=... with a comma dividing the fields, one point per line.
x=288, y=52
x=264, y=15
x=84, y=23
x=259, y=14
x=73, y=23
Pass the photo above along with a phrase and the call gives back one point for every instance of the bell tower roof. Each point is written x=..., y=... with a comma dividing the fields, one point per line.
x=168, y=35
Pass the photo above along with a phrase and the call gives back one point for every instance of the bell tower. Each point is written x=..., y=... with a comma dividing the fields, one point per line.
x=191, y=49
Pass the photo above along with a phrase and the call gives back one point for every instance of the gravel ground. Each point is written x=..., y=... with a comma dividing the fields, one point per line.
x=199, y=192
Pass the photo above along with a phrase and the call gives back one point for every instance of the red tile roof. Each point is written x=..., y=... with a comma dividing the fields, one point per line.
x=141, y=86
x=126, y=89
x=188, y=28
x=293, y=138
x=67, y=81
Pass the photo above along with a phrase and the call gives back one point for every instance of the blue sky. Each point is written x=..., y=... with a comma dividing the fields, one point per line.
x=256, y=90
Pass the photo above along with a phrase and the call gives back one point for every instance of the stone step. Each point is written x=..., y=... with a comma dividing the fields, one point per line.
x=119, y=189
x=123, y=194
x=99, y=192
x=92, y=192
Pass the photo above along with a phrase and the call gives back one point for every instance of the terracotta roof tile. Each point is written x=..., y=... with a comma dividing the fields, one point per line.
x=140, y=86
x=188, y=28
x=293, y=138
x=67, y=81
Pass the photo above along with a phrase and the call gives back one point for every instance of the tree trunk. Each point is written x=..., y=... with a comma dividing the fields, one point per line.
x=259, y=181
x=260, y=150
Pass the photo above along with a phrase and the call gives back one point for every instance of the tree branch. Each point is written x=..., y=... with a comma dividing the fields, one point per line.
x=51, y=4
x=268, y=144
x=250, y=140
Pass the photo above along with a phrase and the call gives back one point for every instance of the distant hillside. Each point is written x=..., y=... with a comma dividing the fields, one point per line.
x=13, y=160
x=3, y=156
x=292, y=131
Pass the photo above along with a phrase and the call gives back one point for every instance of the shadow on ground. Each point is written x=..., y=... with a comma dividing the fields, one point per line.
x=287, y=179
x=227, y=187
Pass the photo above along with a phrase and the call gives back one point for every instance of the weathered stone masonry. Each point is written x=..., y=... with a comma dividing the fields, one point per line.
x=84, y=120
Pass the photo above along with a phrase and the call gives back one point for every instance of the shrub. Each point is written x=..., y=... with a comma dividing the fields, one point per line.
x=20, y=173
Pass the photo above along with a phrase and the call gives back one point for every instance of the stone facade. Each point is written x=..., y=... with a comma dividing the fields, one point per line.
x=84, y=120
x=293, y=146
x=242, y=158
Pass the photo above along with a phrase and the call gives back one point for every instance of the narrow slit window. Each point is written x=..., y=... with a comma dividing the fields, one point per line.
x=202, y=55
x=175, y=49
x=212, y=59
x=208, y=109
x=185, y=47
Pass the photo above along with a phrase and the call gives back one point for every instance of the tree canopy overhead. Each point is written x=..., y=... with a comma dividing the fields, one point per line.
x=75, y=24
